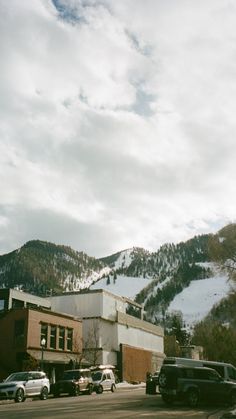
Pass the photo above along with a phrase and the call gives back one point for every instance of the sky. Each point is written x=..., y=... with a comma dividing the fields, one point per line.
x=117, y=122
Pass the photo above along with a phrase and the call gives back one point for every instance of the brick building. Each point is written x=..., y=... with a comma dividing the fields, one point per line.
x=26, y=322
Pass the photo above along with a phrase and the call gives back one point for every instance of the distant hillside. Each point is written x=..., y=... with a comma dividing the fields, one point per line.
x=170, y=270
x=154, y=279
x=39, y=267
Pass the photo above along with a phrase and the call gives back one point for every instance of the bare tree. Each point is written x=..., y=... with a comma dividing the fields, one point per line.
x=91, y=349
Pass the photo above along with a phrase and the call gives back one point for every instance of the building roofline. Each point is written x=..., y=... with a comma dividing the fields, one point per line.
x=101, y=291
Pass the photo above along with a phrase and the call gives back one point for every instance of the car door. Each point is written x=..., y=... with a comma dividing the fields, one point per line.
x=216, y=388
x=31, y=385
x=107, y=381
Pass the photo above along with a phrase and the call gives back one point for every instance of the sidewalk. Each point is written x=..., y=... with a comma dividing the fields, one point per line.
x=124, y=385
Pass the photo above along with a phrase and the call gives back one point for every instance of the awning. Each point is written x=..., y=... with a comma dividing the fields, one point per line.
x=55, y=357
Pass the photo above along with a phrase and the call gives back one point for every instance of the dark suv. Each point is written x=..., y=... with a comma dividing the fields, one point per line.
x=194, y=384
x=73, y=382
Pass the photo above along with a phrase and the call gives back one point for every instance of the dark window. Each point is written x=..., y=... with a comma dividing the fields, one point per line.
x=62, y=338
x=31, y=305
x=17, y=303
x=69, y=339
x=19, y=331
x=53, y=337
x=44, y=333
x=218, y=368
x=188, y=373
x=2, y=304
x=231, y=373
x=71, y=375
x=19, y=328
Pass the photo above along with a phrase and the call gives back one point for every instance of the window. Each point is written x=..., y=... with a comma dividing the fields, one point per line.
x=232, y=373
x=17, y=303
x=19, y=328
x=62, y=338
x=2, y=304
x=44, y=333
x=19, y=331
x=53, y=337
x=69, y=339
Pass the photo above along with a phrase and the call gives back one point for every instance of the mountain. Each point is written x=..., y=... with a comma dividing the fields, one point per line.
x=39, y=267
x=177, y=277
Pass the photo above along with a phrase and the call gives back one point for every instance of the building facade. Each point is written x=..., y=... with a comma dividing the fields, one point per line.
x=34, y=337
x=111, y=336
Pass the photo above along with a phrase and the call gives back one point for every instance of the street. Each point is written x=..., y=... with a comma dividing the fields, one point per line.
x=122, y=404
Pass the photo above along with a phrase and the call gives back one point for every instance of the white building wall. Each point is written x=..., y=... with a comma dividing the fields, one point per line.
x=139, y=338
x=96, y=304
x=105, y=333
x=80, y=305
x=111, y=305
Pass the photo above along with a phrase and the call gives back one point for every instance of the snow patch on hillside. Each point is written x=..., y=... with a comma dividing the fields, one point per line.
x=124, y=286
x=199, y=297
x=124, y=259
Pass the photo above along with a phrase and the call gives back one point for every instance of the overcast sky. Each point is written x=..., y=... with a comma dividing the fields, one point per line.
x=117, y=122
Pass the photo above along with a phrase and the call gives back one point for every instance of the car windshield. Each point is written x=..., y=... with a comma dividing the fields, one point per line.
x=96, y=376
x=71, y=375
x=17, y=376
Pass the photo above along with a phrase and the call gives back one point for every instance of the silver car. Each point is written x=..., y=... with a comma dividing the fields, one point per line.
x=20, y=385
x=103, y=380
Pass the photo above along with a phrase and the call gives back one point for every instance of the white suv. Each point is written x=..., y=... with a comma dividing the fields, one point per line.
x=20, y=385
x=103, y=380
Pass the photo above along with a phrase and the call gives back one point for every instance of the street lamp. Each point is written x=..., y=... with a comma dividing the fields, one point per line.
x=43, y=343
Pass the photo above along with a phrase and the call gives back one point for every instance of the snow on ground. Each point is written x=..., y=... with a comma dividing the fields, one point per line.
x=197, y=300
x=124, y=286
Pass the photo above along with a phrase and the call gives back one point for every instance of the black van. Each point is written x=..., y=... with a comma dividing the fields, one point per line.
x=194, y=384
x=227, y=371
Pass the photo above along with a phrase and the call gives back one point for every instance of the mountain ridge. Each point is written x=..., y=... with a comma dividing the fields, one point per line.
x=41, y=267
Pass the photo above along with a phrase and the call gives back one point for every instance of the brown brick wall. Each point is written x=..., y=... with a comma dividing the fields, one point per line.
x=135, y=363
x=10, y=348
x=7, y=343
x=36, y=318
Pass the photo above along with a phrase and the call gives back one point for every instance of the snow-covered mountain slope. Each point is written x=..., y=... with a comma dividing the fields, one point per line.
x=199, y=297
x=124, y=286
x=194, y=301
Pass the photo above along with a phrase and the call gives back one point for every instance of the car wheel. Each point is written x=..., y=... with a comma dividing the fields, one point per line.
x=20, y=396
x=99, y=390
x=44, y=393
x=192, y=398
x=90, y=389
x=113, y=387
x=167, y=399
x=162, y=380
x=233, y=398
x=75, y=391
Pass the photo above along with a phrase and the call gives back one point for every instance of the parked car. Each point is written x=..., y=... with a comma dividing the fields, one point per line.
x=103, y=380
x=226, y=370
x=20, y=385
x=152, y=382
x=194, y=384
x=73, y=382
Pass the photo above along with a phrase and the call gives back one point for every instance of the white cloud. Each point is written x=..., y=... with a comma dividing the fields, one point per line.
x=117, y=121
